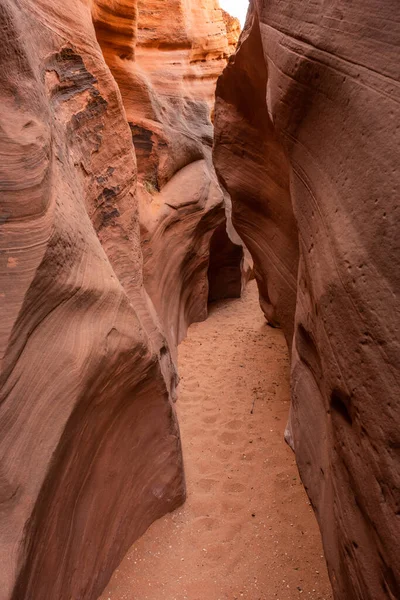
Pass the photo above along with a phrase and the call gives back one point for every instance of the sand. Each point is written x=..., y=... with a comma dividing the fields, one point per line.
x=247, y=530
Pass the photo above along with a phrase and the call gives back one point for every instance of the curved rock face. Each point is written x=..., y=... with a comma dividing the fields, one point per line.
x=307, y=116
x=253, y=167
x=90, y=451
x=166, y=57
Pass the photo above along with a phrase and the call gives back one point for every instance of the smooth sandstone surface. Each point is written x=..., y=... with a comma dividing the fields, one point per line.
x=253, y=167
x=327, y=110
x=90, y=449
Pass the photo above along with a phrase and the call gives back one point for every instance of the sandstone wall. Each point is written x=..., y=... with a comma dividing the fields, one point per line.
x=166, y=57
x=89, y=444
x=253, y=167
x=307, y=117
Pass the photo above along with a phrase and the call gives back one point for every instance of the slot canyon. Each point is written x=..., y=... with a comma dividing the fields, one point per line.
x=199, y=296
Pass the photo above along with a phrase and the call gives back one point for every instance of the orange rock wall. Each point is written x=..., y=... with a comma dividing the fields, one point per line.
x=307, y=128
x=233, y=30
x=166, y=57
x=253, y=167
x=89, y=444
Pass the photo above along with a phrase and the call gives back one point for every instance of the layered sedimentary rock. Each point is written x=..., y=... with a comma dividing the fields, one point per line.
x=166, y=57
x=307, y=121
x=233, y=29
x=90, y=451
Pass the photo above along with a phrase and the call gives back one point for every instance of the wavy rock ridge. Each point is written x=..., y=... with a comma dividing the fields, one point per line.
x=306, y=127
x=90, y=450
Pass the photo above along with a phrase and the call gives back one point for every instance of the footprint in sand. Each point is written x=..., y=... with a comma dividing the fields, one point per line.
x=189, y=389
x=206, y=523
x=235, y=425
x=233, y=487
x=207, y=467
x=248, y=456
x=210, y=419
x=191, y=401
x=207, y=485
x=197, y=433
x=223, y=454
x=228, y=438
x=211, y=408
x=202, y=507
x=232, y=508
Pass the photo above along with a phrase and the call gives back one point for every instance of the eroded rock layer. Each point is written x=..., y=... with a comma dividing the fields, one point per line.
x=307, y=121
x=89, y=443
x=166, y=57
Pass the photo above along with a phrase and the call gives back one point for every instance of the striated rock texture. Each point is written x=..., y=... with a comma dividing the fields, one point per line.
x=166, y=57
x=233, y=29
x=307, y=120
x=89, y=444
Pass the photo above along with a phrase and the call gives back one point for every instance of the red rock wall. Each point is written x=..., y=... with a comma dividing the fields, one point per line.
x=166, y=57
x=325, y=102
x=252, y=166
x=233, y=30
x=89, y=443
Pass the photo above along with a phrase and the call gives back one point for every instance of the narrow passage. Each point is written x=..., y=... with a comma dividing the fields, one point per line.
x=247, y=531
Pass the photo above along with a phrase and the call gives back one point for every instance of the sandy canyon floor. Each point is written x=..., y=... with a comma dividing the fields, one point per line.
x=247, y=530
